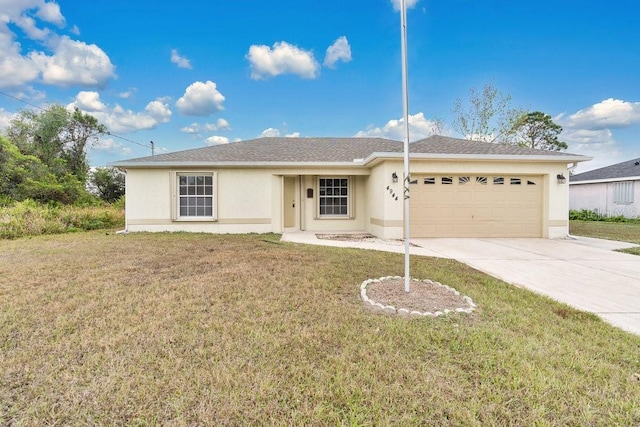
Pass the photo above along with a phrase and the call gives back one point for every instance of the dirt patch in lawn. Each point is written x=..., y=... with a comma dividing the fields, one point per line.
x=422, y=296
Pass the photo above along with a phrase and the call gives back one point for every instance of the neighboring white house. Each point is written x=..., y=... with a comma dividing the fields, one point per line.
x=458, y=188
x=612, y=191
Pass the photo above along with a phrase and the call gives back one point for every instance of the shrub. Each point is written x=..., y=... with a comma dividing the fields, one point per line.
x=30, y=218
x=594, y=215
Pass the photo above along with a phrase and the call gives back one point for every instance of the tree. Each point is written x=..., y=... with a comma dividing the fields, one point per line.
x=537, y=130
x=107, y=183
x=27, y=177
x=487, y=116
x=58, y=137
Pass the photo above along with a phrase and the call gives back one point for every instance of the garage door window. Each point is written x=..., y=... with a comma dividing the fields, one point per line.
x=516, y=181
x=446, y=180
x=462, y=180
x=498, y=180
x=481, y=180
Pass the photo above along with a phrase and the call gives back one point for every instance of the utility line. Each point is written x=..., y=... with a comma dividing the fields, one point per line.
x=108, y=133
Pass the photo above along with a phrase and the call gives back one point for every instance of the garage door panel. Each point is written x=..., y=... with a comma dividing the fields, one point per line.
x=477, y=206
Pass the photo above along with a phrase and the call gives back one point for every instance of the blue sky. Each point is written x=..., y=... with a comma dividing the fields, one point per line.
x=186, y=75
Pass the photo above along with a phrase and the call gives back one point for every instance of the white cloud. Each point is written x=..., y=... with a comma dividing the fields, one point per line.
x=60, y=61
x=127, y=94
x=216, y=140
x=409, y=4
x=284, y=58
x=599, y=144
x=119, y=120
x=180, y=61
x=111, y=146
x=89, y=101
x=338, y=51
x=5, y=119
x=50, y=12
x=608, y=113
x=269, y=132
x=200, y=99
x=273, y=132
x=75, y=30
x=195, y=128
x=15, y=69
x=74, y=63
x=419, y=128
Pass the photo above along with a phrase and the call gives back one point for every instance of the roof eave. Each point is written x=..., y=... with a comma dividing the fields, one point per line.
x=261, y=165
x=605, y=180
x=569, y=158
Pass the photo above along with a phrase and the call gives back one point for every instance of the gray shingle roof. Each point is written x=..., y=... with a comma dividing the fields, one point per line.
x=327, y=150
x=626, y=169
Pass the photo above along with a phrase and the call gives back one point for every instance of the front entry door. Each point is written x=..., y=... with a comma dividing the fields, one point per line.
x=289, y=201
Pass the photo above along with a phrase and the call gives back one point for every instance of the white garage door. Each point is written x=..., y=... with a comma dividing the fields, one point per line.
x=476, y=206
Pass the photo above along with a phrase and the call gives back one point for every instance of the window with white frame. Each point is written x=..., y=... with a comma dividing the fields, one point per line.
x=195, y=195
x=623, y=193
x=333, y=196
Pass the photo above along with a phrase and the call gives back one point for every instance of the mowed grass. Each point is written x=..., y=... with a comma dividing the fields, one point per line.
x=193, y=329
x=620, y=231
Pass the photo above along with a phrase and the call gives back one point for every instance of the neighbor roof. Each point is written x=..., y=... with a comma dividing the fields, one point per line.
x=342, y=151
x=628, y=169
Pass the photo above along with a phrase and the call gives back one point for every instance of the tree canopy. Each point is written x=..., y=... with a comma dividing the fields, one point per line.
x=486, y=116
x=537, y=130
x=44, y=154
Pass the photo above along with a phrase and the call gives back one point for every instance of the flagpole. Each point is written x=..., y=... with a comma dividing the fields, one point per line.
x=405, y=105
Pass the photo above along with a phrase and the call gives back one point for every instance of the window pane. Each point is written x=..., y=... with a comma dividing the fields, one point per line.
x=191, y=180
x=191, y=211
x=191, y=191
x=343, y=182
x=183, y=211
x=498, y=180
x=208, y=211
x=447, y=180
x=183, y=180
x=429, y=180
x=208, y=180
x=516, y=181
x=199, y=190
x=183, y=190
x=343, y=191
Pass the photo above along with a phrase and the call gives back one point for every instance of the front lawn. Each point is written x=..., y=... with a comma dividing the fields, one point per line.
x=620, y=231
x=195, y=329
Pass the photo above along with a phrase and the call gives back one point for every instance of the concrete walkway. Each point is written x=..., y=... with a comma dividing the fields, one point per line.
x=582, y=272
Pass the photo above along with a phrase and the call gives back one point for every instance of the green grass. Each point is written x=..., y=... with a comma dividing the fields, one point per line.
x=620, y=231
x=194, y=329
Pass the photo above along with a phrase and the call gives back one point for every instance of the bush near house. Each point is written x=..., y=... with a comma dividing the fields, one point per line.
x=593, y=215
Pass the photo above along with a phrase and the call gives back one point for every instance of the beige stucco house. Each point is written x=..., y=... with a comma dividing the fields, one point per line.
x=611, y=191
x=458, y=188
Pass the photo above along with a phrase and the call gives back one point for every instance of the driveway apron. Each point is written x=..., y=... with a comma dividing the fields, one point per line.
x=584, y=273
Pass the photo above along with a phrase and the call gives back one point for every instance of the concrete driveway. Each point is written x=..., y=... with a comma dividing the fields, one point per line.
x=584, y=273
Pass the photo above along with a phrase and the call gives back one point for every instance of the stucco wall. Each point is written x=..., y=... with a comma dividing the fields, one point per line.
x=599, y=197
x=244, y=201
x=313, y=222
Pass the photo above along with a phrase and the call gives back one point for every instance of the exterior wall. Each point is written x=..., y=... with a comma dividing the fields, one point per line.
x=244, y=202
x=599, y=197
x=251, y=200
x=247, y=201
x=385, y=212
x=311, y=221
x=555, y=221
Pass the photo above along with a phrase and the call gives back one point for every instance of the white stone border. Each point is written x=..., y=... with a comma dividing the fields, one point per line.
x=406, y=312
